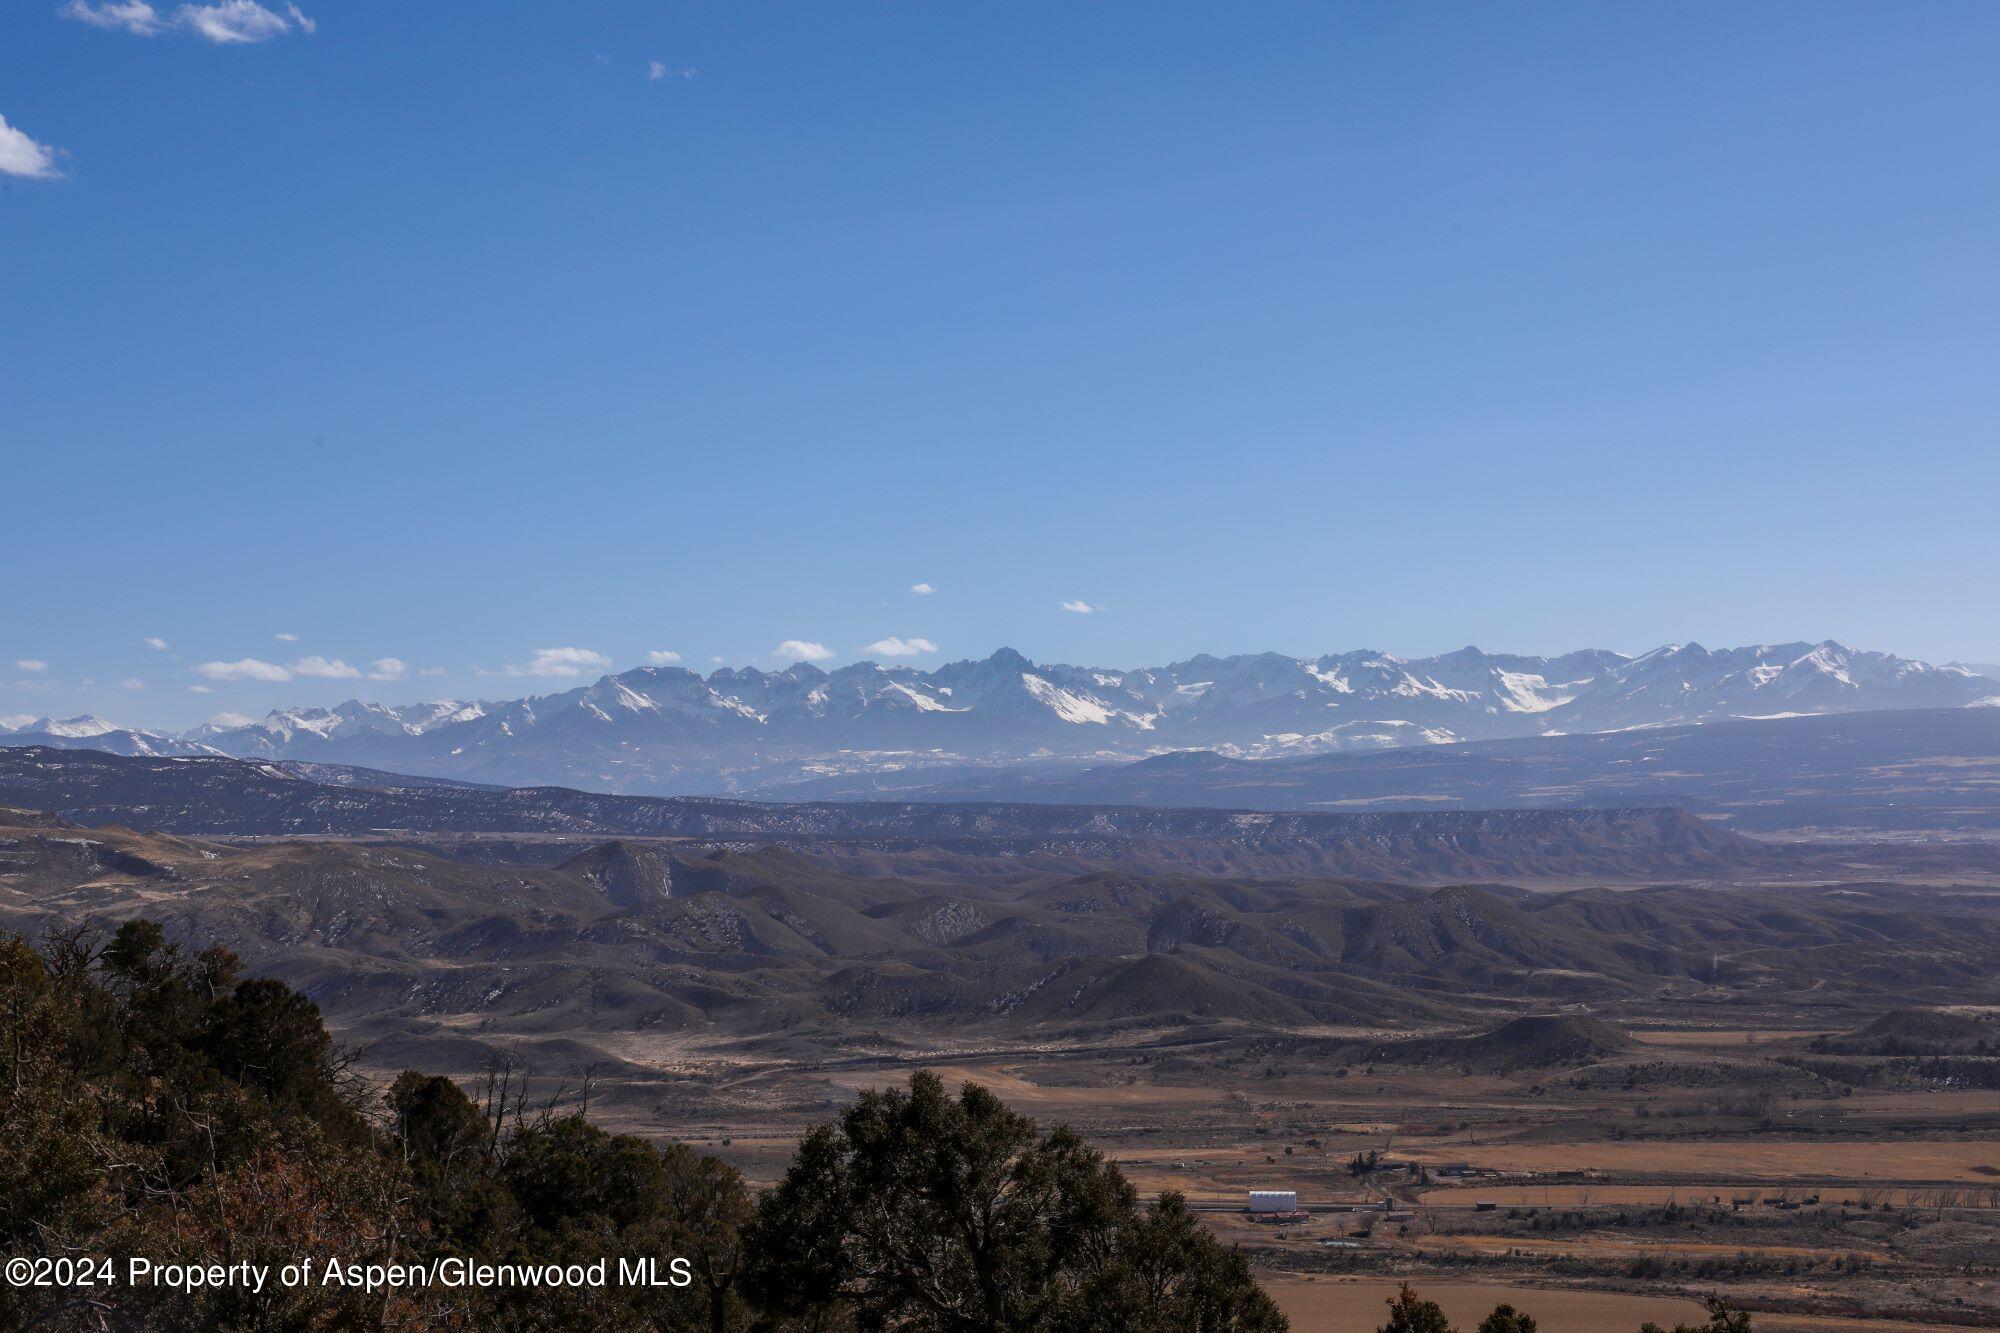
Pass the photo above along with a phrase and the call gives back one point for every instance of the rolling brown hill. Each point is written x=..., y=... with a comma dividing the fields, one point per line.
x=1918, y=1032
x=631, y=946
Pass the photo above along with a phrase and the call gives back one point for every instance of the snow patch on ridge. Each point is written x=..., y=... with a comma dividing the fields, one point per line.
x=1523, y=693
x=1070, y=707
x=923, y=701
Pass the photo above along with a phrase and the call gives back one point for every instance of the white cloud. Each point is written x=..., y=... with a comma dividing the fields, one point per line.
x=134, y=16
x=248, y=668
x=131, y=683
x=430, y=671
x=1082, y=608
x=231, y=720
x=286, y=638
x=656, y=71
x=803, y=650
x=22, y=156
x=326, y=668
x=389, y=668
x=156, y=643
x=554, y=662
x=566, y=662
x=224, y=22
x=898, y=647
x=662, y=657
x=238, y=22
x=922, y=589
x=200, y=689
x=31, y=664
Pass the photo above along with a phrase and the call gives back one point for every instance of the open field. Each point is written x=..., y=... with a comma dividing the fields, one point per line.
x=1355, y=1305
x=1645, y=1225
x=1044, y=1100
x=1709, y=1192
x=1943, y=1160
x=1723, y=1209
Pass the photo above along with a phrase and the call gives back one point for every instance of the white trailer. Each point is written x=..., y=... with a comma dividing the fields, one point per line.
x=1274, y=1201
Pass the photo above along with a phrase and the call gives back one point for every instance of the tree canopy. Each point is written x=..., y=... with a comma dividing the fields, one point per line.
x=924, y=1211
x=155, y=1102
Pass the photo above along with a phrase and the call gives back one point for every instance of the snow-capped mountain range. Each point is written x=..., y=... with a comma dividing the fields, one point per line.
x=670, y=730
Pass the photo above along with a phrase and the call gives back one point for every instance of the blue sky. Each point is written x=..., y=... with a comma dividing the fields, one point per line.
x=445, y=333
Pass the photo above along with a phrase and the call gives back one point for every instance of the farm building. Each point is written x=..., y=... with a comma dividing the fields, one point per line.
x=1274, y=1201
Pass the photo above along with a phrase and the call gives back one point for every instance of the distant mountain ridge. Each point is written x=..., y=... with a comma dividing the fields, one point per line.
x=1934, y=771
x=669, y=730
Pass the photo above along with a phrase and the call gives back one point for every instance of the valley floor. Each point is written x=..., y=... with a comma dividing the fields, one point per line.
x=1593, y=1208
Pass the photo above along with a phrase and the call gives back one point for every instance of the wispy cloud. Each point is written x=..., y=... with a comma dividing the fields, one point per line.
x=224, y=22
x=234, y=22
x=286, y=638
x=656, y=70
x=311, y=668
x=899, y=647
x=555, y=662
x=133, y=16
x=803, y=650
x=131, y=683
x=241, y=21
x=662, y=657
x=248, y=668
x=30, y=664
x=22, y=156
x=156, y=643
x=231, y=720
x=200, y=689
x=430, y=671
x=324, y=668
x=1081, y=608
x=922, y=589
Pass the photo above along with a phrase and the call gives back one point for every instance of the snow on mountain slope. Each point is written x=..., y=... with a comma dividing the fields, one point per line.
x=72, y=728
x=668, y=729
x=94, y=733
